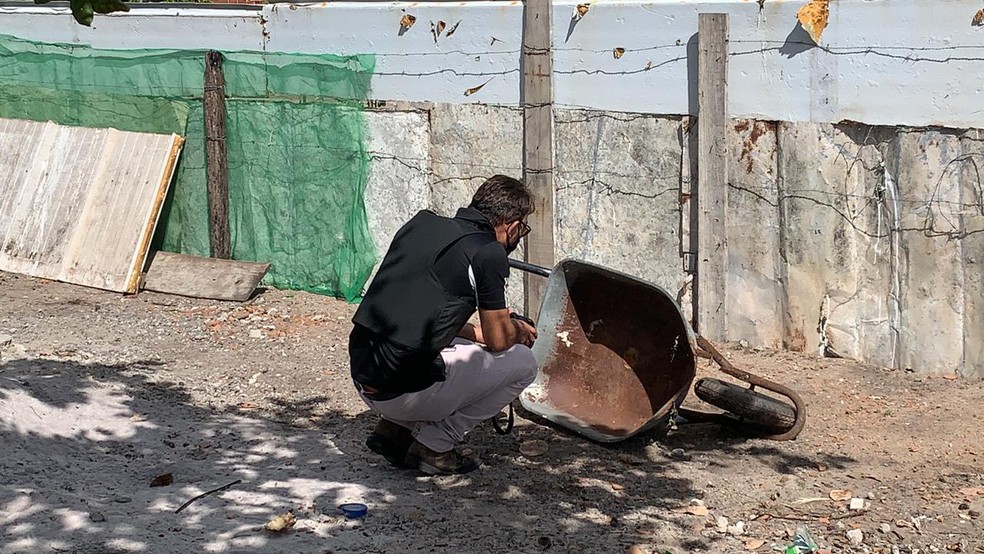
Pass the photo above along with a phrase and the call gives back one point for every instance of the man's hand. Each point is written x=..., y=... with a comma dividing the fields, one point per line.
x=501, y=331
x=525, y=333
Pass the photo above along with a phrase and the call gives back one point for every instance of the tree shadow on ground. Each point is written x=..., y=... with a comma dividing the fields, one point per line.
x=83, y=442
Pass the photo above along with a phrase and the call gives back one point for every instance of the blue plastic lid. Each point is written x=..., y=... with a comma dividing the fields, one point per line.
x=354, y=510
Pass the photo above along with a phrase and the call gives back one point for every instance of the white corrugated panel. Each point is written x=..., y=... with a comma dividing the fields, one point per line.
x=78, y=204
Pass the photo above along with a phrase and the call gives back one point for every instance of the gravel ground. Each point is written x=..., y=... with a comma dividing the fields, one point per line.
x=100, y=394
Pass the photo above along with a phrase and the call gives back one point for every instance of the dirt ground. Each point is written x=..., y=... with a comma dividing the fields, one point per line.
x=101, y=393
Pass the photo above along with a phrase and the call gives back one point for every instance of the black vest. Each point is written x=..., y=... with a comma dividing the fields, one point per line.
x=406, y=302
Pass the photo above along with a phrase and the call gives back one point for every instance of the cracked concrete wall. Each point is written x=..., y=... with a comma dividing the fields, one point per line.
x=617, y=181
x=754, y=301
x=848, y=239
x=878, y=231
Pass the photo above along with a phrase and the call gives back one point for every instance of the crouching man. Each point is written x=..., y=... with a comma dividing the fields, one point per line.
x=415, y=359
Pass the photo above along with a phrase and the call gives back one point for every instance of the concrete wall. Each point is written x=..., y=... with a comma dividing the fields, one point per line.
x=851, y=240
x=846, y=238
x=886, y=62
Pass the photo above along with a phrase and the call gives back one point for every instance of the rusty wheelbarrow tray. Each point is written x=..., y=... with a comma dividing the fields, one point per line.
x=617, y=358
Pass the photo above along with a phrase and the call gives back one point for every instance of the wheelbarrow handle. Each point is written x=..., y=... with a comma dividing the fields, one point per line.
x=529, y=268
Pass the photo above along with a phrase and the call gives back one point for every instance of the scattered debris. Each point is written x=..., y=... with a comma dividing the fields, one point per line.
x=162, y=480
x=533, y=448
x=814, y=17
x=407, y=21
x=618, y=52
x=856, y=504
x=754, y=544
x=885, y=528
x=97, y=517
x=722, y=524
x=693, y=510
x=856, y=536
x=281, y=523
x=206, y=493
x=473, y=90
x=631, y=459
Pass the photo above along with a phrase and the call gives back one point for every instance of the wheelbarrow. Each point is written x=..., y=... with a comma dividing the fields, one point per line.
x=617, y=357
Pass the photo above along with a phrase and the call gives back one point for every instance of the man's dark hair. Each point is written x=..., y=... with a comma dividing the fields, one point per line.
x=503, y=199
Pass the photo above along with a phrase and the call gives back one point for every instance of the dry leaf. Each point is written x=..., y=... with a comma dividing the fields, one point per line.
x=581, y=10
x=407, y=21
x=281, y=523
x=840, y=495
x=441, y=26
x=754, y=544
x=473, y=90
x=618, y=52
x=162, y=480
x=813, y=17
x=693, y=510
x=978, y=19
x=452, y=29
x=972, y=491
x=533, y=448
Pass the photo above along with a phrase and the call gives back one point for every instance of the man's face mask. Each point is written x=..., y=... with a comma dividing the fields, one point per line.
x=521, y=230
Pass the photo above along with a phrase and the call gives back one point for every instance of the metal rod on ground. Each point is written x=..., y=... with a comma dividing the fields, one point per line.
x=216, y=163
x=538, y=147
x=710, y=294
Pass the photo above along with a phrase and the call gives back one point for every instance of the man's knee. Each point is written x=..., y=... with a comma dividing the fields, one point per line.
x=523, y=362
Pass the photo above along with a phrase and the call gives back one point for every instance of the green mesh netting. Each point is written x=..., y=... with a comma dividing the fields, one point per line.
x=296, y=141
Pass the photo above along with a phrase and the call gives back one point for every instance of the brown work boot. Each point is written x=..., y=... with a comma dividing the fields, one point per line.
x=440, y=463
x=390, y=441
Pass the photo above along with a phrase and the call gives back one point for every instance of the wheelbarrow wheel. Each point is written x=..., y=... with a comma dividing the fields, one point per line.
x=752, y=406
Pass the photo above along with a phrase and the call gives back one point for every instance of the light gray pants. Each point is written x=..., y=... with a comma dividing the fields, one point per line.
x=479, y=385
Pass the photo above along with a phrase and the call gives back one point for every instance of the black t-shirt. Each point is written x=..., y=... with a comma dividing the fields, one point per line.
x=476, y=266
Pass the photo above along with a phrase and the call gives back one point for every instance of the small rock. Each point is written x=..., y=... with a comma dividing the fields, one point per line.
x=974, y=514
x=855, y=536
x=123, y=499
x=677, y=453
x=885, y=528
x=696, y=502
x=634, y=549
x=97, y=517
x=963, y=506
x=722, y=524
x=856, y=504
x=743, y=343
x=737, y=529
x=871, y=496
x=256, y=333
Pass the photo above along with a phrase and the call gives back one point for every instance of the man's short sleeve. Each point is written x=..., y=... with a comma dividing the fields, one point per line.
x=490, y=264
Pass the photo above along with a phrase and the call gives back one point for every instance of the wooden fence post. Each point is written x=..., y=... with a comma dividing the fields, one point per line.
x=712, y=176
x=538, y=146
x=216, y=163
